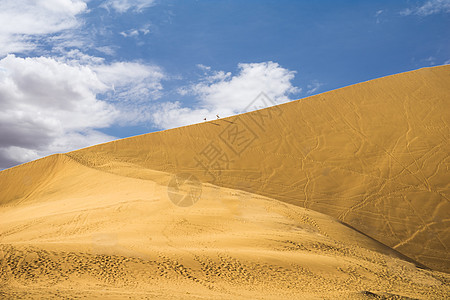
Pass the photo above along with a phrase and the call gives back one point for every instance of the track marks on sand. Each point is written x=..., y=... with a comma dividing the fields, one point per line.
x=289, y=273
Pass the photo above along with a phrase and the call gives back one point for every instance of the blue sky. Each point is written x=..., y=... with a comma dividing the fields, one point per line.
x=74, y=73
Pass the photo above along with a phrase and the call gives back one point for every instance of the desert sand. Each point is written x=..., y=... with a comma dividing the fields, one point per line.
x=340, y=195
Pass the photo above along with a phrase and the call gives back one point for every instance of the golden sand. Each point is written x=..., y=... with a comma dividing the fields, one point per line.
x=339, y=195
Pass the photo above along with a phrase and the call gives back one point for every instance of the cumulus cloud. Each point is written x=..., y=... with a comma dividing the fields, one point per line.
x=50, y=105
x=122, y=6
x=126, y=81
x=60, y=102
x=231, y=94
x=43, y=103
x=226, y=94
x=24, y=21
x=428, y=8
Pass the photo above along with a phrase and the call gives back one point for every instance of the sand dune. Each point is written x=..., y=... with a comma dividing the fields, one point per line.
x=343, y=194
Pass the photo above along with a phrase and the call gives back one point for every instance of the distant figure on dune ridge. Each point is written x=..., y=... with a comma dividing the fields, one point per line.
x=217, y=116
x=204, y=119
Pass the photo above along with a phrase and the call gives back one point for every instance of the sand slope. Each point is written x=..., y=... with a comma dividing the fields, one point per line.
x=100, y=222
x=90, y=233
x=374, y=155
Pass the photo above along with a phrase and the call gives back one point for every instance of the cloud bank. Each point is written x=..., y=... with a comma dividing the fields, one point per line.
x=50, y=105
x=24, y=21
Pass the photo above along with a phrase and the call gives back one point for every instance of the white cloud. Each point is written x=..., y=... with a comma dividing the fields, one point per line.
x=135, y=32
x=203, y=67
x=108, y=50
x=131, y=81
x=222, y=93
x=59, y=103
x=313, y=87
x=173, y=114
x=231, y=94
x=377, y=15
x=50, y=105
x=125, y=81
x=79, y=57
x=122, y=6
x=23, y=21
x=429, y=8
x=431, y=60
x=130, y=33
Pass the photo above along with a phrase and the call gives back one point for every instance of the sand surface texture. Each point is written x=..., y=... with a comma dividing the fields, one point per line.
x=339, y=195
